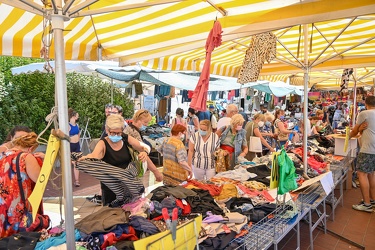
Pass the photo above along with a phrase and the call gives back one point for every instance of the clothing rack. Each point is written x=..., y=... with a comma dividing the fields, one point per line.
x=86, y=137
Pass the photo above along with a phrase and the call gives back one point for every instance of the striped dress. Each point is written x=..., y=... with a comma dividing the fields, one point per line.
x=203, y=156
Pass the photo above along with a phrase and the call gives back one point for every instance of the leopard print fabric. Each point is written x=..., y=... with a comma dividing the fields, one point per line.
x=262, y=48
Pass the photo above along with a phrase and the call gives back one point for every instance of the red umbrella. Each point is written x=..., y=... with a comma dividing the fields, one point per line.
x=198, y=102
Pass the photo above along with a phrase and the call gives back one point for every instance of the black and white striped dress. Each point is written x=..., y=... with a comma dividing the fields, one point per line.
x=203, y=156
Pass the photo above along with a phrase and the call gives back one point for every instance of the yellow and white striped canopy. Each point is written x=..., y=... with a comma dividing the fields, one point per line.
x=170, y=34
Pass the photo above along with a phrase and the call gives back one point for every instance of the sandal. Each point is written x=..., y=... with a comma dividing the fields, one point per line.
x=77, y=184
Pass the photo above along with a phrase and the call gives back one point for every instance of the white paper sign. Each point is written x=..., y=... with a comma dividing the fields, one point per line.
x=149, y=103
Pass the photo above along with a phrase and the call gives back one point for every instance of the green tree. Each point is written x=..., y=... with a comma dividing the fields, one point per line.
x=27, y=99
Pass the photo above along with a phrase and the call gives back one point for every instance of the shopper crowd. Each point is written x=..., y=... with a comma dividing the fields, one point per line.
x=207, y=152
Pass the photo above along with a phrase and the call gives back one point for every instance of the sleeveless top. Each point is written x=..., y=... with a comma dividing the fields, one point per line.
x=74, y=130
x=12, y=207
x=120, y=158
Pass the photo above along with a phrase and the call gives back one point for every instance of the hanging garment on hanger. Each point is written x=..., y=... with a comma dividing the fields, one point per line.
x=138, y=88
x=262, y=48
x=213, y=95
x=172, y=94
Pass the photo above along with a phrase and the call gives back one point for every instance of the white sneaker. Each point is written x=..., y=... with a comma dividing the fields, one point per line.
x=363, y=207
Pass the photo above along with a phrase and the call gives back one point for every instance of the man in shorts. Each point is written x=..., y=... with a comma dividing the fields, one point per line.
x=366, y=157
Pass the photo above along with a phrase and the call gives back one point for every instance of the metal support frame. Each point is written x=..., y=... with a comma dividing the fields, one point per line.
x=284, y=46
x=220, y=9
x=334, y=39
x=305, y=93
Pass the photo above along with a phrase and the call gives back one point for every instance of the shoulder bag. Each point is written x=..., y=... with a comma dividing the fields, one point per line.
x=255, y=144
x=42, y=221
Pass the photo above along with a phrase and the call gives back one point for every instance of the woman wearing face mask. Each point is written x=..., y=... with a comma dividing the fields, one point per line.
x=175, y=166
x=233, y=139
x=193, y=119
x=280, y=128
x=202, y=146
x=268, y=133
x=74, y=134
x=252, y=129
x=113, y=149
x=141, y=119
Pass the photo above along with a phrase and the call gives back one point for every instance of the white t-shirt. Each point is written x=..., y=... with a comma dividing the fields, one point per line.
x=368, y=136
x=203, y=156
x=224, y=121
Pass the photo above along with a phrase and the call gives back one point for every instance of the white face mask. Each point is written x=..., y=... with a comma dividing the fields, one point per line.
x=238, y=128
x=260, y=124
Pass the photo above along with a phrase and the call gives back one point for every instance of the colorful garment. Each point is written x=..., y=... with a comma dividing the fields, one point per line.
x=11, y=206
x=173, y=151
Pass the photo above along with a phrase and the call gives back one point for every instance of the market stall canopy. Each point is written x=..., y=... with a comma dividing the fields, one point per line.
x=83, y=67
x=278, y=89
x=180, y=80
x=134, y=31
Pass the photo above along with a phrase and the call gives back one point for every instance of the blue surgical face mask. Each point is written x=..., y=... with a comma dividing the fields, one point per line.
x=268, y=124
x=282, y=117
x=143, y=128
x=203, y=133
x=115, y=138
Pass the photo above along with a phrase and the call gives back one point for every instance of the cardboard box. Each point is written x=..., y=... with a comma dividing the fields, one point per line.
x=339, y=146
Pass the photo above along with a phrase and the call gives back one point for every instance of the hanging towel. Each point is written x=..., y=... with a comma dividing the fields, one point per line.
x=138, y=88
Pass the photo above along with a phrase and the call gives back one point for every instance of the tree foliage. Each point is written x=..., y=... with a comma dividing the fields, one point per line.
x=27, y=99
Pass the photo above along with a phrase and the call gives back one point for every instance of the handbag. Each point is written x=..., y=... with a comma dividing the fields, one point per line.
x=255, y=144
x=42, y=221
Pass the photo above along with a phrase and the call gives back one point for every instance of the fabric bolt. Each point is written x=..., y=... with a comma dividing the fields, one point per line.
x=262, y=48
x=173, y=151
x=203, y=156
x=103, y=220
x=178, y=192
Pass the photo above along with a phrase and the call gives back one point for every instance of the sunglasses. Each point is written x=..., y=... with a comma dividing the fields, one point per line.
x=114, y=133
x=143, y=112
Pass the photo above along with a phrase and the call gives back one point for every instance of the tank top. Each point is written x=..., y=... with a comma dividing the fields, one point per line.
x=74, y=130
x=178, y=121
x=120, y=158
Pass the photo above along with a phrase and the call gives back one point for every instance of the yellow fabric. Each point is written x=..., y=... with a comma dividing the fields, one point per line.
x=186, y=238
x=49, y=159
x=228, y=191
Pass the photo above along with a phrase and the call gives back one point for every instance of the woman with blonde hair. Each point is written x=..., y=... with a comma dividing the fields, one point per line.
x=253, y=129
x=280, y=128
x=202, y=146
x=12, y=206
x=233, y=139
x=141, y=119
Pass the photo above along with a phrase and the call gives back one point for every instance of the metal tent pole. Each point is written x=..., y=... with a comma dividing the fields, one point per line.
x=305, y=93
x=60, y=82
x=354, y=113
x=112, y=90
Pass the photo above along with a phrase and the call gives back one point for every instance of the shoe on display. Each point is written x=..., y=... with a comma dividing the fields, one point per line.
x=363, y=207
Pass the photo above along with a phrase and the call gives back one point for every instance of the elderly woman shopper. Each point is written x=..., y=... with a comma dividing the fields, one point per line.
x=233, y=139
x=12, y=206
x=110, y=163
x=280, y=128
x=175, y=166
x=141, y=119
x=202, y=146
x=252, y=129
